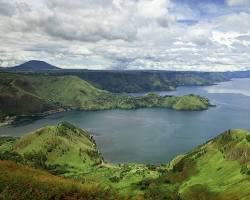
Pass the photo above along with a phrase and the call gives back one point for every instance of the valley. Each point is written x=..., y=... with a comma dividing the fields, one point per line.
x=103, y=145
x=125, y=100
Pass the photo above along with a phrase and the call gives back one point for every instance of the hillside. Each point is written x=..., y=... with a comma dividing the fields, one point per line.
x=63, y=149
x=68, y=151
x=130, y=81
x=36, y=94
x=119, y=81
x=25, y=183
x=33, y=66
x=216, y=170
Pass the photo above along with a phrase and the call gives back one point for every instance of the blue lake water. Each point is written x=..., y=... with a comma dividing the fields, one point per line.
x=157, y=135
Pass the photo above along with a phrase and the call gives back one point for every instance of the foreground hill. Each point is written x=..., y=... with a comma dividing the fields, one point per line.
x=67, y=151
x=216, y=170
x=35, y=94
x=25, y=183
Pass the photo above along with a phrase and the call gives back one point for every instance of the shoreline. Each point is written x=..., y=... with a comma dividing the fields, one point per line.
x=11, y=120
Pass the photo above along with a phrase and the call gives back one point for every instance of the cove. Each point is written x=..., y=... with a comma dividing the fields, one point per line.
x=157, y=135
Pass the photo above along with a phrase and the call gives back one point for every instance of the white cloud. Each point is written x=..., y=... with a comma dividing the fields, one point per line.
x=238, y=2
x=118, y=34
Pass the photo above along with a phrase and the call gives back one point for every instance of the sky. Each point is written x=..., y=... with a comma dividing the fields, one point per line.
x=202, y=35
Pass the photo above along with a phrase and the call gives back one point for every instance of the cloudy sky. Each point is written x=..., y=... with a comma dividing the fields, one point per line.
x=208, y=35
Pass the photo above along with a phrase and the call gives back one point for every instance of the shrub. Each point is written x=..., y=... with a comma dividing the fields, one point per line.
x=248, y=137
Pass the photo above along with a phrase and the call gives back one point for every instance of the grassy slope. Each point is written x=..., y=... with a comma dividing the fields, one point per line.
x=24, y=183
x=31, y=94
x=69, y=152
x=62, y=147
x=219, y=169
x=141, y=81
x=66, y=90
x=17, y=96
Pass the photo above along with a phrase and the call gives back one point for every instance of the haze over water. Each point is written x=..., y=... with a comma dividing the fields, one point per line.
x=157, y=135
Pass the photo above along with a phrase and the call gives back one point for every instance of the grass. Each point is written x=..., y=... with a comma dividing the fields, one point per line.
x=218, y=175
x=141, y=81
x=64, y=146
x=35, y=94
x=24, y=183
x=218, y=169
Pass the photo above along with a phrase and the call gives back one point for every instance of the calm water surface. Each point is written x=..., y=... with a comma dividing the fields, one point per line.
x=157, y=135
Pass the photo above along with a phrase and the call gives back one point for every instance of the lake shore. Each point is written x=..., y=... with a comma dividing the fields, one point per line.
x=11, y=120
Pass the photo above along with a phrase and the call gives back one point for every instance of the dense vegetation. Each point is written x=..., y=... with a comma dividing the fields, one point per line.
x=25, y=183
x=216, y=170
x=32, y=94
x=119, y=81
x=143, y=81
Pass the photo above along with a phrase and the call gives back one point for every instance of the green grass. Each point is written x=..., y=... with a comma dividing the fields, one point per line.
x=35, y=94
x=64, y=146
x=24, y=183
x=216, y=170
x=67, y=151
x=143, y=81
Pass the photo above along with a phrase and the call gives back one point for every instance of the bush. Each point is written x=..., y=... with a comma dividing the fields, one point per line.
x=244, y=170
x=248, y=137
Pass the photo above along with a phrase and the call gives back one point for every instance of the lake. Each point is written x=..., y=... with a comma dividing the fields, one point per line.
x=157, y=135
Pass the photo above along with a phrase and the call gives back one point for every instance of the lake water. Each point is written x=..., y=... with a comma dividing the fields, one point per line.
x=157, y=135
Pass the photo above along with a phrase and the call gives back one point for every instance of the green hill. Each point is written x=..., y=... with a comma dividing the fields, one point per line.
x=25, y=94
x=119, y=81
x=24, y=183
x=43, y=94
x=63, y=149
x=67, y=151
x=216, y=170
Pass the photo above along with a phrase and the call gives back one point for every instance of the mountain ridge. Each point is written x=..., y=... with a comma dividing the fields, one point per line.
x=48, y=94
x=133, y=81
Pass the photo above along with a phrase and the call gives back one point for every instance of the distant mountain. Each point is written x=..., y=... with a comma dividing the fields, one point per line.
x=33, y=66
x=238, y=74
x=132, y=81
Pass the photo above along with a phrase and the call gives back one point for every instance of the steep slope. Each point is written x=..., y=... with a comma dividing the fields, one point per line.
x=35, y=94
x=18, y=96
x=24, y=183
x=62, y=147
x=119, y=81
x=32, y=94
x=216, y=170
x=33, y=66
x=67, y=151
x=66, y=90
